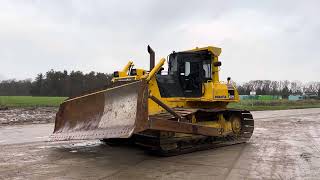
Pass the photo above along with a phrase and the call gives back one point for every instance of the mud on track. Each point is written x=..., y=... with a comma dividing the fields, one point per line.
x=285, y=145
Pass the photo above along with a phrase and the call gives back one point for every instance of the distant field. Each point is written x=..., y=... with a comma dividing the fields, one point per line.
x=30, y=101
x=257, y=105
x=253, y=105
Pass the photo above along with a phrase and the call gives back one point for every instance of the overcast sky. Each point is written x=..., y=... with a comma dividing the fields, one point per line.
x=274, y=40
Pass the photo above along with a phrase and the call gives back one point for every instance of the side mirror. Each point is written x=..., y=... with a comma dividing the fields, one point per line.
x=217, y=64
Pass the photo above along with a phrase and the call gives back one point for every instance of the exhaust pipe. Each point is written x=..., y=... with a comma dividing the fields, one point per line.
x=152, y=57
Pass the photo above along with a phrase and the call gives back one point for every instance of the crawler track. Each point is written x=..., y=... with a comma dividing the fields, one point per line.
x=203, y=143
x=171, y=146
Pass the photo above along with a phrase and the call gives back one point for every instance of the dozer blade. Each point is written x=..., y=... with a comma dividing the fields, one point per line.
x=112, y=113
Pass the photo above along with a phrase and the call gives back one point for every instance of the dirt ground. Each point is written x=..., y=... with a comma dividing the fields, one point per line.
x=285, y=145
x=36, y=115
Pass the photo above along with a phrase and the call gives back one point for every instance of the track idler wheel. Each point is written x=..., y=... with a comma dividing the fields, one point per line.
x=236, y=124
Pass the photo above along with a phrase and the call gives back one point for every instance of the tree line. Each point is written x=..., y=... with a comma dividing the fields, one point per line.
x=63, y=83
x=56, y=83
x=279, y=88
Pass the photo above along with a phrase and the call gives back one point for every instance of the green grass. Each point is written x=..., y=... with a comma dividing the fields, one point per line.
x=252, y=105
x=30, y=101
x=259, y=105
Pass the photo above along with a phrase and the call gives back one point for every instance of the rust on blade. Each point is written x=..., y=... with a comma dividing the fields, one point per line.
x=111, y=113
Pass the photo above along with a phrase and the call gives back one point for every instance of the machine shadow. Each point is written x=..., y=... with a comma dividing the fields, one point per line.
x=97, y=153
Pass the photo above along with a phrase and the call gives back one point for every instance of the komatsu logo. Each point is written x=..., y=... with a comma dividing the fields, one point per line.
x=220, y=97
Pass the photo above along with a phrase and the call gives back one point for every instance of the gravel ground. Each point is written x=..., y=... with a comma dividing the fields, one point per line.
x=285, y=145
x=36, y=115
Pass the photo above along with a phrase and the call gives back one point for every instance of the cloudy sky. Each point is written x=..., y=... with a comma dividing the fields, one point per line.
x=274, y=40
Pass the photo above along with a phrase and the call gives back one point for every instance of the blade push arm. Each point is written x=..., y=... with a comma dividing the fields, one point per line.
x=127, y=67
x=156, y=69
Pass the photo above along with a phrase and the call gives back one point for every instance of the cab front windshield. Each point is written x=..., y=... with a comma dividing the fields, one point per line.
x=190, y=62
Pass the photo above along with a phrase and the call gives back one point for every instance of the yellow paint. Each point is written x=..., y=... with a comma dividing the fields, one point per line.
x=155, y=70
x=124, y=74
x=215, y=92
x=127, y=67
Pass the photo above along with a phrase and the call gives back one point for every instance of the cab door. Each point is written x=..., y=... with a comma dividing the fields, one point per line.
x=191, y=75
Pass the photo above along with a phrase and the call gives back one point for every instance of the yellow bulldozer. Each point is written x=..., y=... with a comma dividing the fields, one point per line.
x=171, y=112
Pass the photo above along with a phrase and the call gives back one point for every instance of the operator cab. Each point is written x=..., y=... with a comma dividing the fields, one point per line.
x=187, y=72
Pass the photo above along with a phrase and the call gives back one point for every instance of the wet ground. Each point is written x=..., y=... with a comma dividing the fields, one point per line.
x=33, y=115
x=285, y=145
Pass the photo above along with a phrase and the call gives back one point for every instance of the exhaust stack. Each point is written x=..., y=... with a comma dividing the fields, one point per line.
x=152, y=57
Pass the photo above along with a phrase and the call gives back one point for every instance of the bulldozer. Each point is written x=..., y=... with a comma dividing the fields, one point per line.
x=181, y=110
